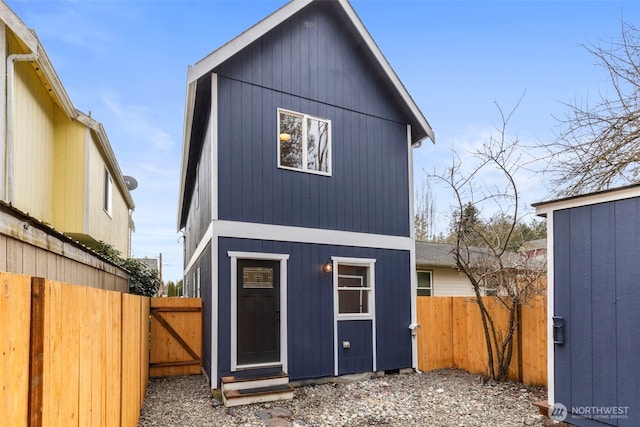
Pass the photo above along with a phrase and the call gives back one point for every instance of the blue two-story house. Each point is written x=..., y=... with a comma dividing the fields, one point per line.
x=296, y=200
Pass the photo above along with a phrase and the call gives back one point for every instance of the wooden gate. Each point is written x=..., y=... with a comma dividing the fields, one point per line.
x=176, y=336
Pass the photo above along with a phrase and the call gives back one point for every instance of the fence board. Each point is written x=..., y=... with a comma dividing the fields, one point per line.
x=15, y=301
x=74, y=369
x=452, y=336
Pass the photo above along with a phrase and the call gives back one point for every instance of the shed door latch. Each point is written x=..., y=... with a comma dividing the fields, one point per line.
x=558, y=330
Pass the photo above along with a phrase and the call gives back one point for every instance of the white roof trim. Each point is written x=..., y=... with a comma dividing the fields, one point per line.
x=544, y=208
x=18, y=27
x=111, y=160
x=186, y=143
x=234, y=46
x=220, y=55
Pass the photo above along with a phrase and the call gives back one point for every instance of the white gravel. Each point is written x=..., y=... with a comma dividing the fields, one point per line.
x=445, y=397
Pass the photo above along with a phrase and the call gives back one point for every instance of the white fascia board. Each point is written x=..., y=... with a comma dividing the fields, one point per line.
x=51, y=76
x=186, y=144
x=282, y=233
x=46, y=70
x=234, y=46
x=391, y=74
x=18, y=27
x=545, y=208
x=105, y=146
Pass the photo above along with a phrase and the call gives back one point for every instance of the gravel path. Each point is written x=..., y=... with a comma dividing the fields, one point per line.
x=445, y=397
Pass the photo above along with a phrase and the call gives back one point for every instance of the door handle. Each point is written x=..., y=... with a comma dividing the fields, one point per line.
x=278, y=314
x=558, y=330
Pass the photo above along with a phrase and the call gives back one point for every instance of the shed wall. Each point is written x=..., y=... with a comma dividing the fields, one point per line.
x=595, y=291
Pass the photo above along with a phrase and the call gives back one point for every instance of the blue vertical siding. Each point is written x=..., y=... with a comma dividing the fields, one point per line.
x=313, y=56
x=206, y=288
x=358, y=358
x=369, y=188
x=597, y=265
x=310, y=306
x=312, y=64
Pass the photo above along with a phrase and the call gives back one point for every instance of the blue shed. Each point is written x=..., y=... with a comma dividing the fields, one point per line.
x=296, y=203
x=594, y=307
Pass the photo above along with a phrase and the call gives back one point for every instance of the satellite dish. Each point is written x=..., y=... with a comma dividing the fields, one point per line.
x=131, y=182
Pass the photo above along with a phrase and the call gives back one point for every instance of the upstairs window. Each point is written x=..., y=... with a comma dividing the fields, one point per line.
x=108, y=192
x=304, y=143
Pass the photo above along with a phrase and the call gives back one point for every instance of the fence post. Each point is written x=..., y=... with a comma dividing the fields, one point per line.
x=36, y=352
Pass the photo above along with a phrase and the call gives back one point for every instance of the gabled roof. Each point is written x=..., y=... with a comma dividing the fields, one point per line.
x=47, y=74
x=420, y=126
x=234, y=46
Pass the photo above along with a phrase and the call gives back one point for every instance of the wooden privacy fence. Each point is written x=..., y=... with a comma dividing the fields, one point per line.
x=452, y=336
x=71, y=355
x=176, y=336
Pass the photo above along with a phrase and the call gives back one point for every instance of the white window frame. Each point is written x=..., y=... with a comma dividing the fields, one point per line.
x=370, y=288
x=357, y=262
x=107, y=200
x=233, y=308
x=418, y=287
x=305, y=117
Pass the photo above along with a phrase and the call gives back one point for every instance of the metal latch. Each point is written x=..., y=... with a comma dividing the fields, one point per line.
x=558, y=330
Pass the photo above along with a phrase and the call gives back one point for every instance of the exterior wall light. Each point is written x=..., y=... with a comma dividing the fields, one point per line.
x=285, y=137
x=328, y=267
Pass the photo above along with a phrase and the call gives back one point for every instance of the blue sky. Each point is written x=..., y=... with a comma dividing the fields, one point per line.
x=126, y=62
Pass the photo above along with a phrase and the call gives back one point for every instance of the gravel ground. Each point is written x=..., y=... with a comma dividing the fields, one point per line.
x=445, y=397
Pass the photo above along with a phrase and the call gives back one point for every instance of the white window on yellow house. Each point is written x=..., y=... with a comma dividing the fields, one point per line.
x=108, y=192
x=425, y=283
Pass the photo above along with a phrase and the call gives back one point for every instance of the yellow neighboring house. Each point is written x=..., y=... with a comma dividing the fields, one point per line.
x=56, y=162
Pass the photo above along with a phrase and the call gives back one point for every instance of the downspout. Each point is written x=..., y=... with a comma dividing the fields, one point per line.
x=11, y=60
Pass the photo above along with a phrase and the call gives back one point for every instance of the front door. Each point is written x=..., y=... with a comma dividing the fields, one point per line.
x=258, y=312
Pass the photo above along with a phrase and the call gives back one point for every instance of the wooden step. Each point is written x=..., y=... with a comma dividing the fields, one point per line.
x=253, y=374
x=257, y=395
x=543, y=407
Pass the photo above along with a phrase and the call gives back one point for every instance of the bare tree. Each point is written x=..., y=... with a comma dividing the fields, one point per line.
x=425, y=213
x=598, y=145
x=483, y=247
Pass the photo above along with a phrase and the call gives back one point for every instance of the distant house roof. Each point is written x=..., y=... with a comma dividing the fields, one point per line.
x=420, y=127
x=441, y=255
x=435, y=254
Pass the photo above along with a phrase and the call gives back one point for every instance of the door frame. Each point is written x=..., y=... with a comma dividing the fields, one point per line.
x=234, y=256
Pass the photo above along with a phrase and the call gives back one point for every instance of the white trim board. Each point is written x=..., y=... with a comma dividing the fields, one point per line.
x=208, y=235
x=234, y=256
x=217, y=57
x=544, y=208
x=371, y=316
x=283, y=233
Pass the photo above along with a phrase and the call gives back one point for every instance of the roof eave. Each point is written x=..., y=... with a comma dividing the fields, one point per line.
x=235, y=45
x=186, y=145
x=111, y=160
